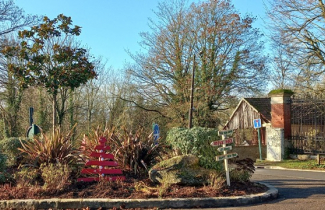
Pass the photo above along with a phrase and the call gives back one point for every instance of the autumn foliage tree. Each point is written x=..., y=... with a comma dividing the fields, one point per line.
x=213, y=38
x=12, y=19
x=49, y=58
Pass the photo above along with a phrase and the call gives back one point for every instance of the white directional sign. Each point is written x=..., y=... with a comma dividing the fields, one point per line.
x=226, y=156
x=227, y=148
x=226, y=132
x=221, y=142
x=224, y=149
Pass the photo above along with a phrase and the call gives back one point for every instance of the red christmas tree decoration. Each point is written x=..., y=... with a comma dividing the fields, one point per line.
x=102, y=165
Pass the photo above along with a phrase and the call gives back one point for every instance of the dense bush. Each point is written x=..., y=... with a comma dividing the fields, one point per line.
x=53, y=149
x=26, y=177
x=243, y=171
x=55, y=176
x=240, y=175
x=134, y=152
x=195, y=141
x=10, y=146
x=3, y=160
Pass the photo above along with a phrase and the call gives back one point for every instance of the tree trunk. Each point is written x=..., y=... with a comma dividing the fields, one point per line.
x=71, y=111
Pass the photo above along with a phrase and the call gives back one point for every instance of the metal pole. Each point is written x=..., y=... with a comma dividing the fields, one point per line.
x=259, y=142
x=191, y=96
x=31, y=112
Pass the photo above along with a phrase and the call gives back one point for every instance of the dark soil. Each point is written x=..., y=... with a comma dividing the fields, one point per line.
x=131, y=188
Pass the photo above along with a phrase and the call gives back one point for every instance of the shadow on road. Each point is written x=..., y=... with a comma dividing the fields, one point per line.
x=298, y=188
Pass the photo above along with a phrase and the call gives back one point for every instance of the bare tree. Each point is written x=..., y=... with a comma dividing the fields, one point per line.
x=300, y=24
x=13, y=18
x=283, y=72
x=210, y=38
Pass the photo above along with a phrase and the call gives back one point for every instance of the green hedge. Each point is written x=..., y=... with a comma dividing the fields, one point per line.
x=196, y=141
x=3, y=166
x=9, y=147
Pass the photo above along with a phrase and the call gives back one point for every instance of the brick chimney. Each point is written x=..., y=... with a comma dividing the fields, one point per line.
x=281, y=110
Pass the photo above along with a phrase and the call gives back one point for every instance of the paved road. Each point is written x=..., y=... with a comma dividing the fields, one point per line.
x=298, y=190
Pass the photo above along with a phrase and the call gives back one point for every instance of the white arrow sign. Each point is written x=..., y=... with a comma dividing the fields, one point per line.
x=226, y=156
x=227, y=148
x=226, y=132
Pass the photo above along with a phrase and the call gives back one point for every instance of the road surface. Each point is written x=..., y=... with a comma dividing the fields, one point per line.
x=298, y=190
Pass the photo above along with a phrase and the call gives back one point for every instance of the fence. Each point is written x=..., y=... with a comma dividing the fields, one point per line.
x=307, y=126
x=303, y=145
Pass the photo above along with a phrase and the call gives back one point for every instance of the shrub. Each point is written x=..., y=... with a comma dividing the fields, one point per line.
x=243, y=171
x=240, y=175
x=55, y=176
x=26, y=177
x=195, y=141
x=216, y=180
x=3, y=162
x=134, y=152
x=3, y=166
x=10, y=146
x=56, y=149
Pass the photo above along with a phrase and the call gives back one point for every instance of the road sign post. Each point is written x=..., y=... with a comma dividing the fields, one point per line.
x=224, y=149
x=258, y=125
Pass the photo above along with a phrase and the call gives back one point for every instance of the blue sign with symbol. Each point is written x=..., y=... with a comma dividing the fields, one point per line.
x=156, y=133
x=257, y=123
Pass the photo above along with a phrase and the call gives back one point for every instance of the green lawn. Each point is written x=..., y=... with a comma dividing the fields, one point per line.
x=294, y=164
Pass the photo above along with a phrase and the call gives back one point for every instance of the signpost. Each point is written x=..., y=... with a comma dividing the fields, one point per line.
x=227, y=156
x=221, y=142
x=226, y=132
x=258, y=125
x=224, y=149
x=227, y=148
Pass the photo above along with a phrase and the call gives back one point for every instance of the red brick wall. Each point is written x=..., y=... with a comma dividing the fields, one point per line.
x=281, y=118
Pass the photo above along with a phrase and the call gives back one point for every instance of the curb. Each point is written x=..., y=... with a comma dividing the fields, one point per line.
x=289, y=169
x=57, y=203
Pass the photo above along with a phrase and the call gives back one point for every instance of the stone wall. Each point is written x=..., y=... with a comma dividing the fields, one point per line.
x=251, y=152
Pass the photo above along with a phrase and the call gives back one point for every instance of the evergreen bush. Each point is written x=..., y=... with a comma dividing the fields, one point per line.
x=55, y=176
x=196, y=141
x=3, y=166
x=9, y=146
x=26, y=177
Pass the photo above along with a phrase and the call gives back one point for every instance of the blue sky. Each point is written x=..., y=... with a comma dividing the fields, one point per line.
x=110, y=27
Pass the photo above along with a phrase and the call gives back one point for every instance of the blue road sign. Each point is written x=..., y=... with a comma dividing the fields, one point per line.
x=257, y=123
x=156, y=133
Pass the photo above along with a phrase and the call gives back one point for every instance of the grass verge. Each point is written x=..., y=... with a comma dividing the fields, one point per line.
x=294, y=164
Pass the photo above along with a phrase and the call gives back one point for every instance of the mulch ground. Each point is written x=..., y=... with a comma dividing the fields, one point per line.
x=131, y=188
